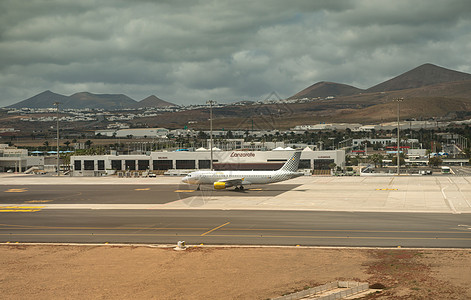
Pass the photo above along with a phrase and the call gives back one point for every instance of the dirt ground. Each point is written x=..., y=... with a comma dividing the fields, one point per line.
x=128, y=272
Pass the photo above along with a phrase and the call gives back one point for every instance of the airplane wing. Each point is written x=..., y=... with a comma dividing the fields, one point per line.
x=232, y=181
x=225, y=183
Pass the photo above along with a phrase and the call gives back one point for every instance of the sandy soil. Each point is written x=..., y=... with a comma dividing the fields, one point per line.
x=124, y=272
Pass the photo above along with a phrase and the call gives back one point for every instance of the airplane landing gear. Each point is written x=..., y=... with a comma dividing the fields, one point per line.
x=198, y=188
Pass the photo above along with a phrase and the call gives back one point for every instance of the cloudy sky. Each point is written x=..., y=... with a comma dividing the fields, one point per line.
x=189, y=51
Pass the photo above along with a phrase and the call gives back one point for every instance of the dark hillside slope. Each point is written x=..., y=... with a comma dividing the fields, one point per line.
x=423, y=75
x=325, y=89
x=45, y=99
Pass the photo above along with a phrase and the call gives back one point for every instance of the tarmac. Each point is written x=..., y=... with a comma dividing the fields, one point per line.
x=424, y=194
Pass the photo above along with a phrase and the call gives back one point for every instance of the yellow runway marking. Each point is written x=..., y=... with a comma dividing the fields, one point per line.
x=343, y=237
x=146, y=189
x=21, y=207
x=216, y=228
x=342, y=230
x=16, y=190
x=19, y=210
x=98, y=228
x=227, y=229
x=38, y=201
x=184, y=191
x=255, y=189
x=386, y=189
x=242, y=235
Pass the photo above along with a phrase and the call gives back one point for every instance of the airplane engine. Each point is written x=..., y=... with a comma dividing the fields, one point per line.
x=219, y=185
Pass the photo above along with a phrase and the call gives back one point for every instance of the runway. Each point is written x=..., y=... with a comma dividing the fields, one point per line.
x=325, y=211
x=238, y=227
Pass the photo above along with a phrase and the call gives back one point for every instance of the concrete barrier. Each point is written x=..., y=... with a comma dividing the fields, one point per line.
x=351, y=288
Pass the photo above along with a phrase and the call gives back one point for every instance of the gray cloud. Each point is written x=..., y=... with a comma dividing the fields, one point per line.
x=191, y=51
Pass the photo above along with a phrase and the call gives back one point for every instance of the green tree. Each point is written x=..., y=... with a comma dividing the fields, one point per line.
x=88, y=143
x=401, y=160
x=332, y=165
x=377, y=159
x=435, y=161
x=467, y=152
x=202, y=135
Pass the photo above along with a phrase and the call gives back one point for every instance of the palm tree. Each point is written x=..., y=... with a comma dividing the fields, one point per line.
x=377, y=159
x=88, y=143
x=467, y=152
x=332, y=166
x=46, y=144
x=67, y=143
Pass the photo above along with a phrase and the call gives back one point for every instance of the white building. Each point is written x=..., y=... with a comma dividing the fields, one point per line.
x=12, y=158
x=186, y=160
x=383, y=142
x=135, y=132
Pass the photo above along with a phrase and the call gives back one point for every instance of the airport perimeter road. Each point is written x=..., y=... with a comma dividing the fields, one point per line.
x=238, y=227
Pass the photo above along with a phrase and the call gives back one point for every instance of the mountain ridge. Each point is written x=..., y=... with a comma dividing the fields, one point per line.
x=153, y=101
x=79, y=100
x=424, y=75
x=325, y=89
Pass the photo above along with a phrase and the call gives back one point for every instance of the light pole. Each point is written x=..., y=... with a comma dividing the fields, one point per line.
x=211, y=102
x=57, y=137
x=398, y=100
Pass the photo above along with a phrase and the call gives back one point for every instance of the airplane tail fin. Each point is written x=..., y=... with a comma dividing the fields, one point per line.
x=291, y=165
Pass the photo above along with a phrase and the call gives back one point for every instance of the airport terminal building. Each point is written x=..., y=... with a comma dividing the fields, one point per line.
x=159, y=162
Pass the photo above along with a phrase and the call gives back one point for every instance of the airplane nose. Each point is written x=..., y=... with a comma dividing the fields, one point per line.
x=185, y=179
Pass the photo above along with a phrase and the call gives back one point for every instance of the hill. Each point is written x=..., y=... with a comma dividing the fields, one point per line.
x=45, y=99
x=325, y=89
x=108, y=101
x=153, y=101
x=423, y=75
x=420, y=108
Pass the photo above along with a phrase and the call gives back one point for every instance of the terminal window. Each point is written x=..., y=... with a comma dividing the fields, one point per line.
x=162, y=164
x=101, y=165
x=89, y=165
x=205, y=163
x=142, y=164
x=186, y=164
x=304, y=164
x=322, y=164
x=130, y=165
x=77, y=165
x=116, y=165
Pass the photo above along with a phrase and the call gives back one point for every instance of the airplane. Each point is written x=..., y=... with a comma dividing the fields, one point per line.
x=224, y=179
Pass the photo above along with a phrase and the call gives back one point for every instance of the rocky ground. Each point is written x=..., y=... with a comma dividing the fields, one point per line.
x=129, y=272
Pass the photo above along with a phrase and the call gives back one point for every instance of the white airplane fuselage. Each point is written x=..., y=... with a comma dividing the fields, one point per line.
x=247, y=177
x=237, y=179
